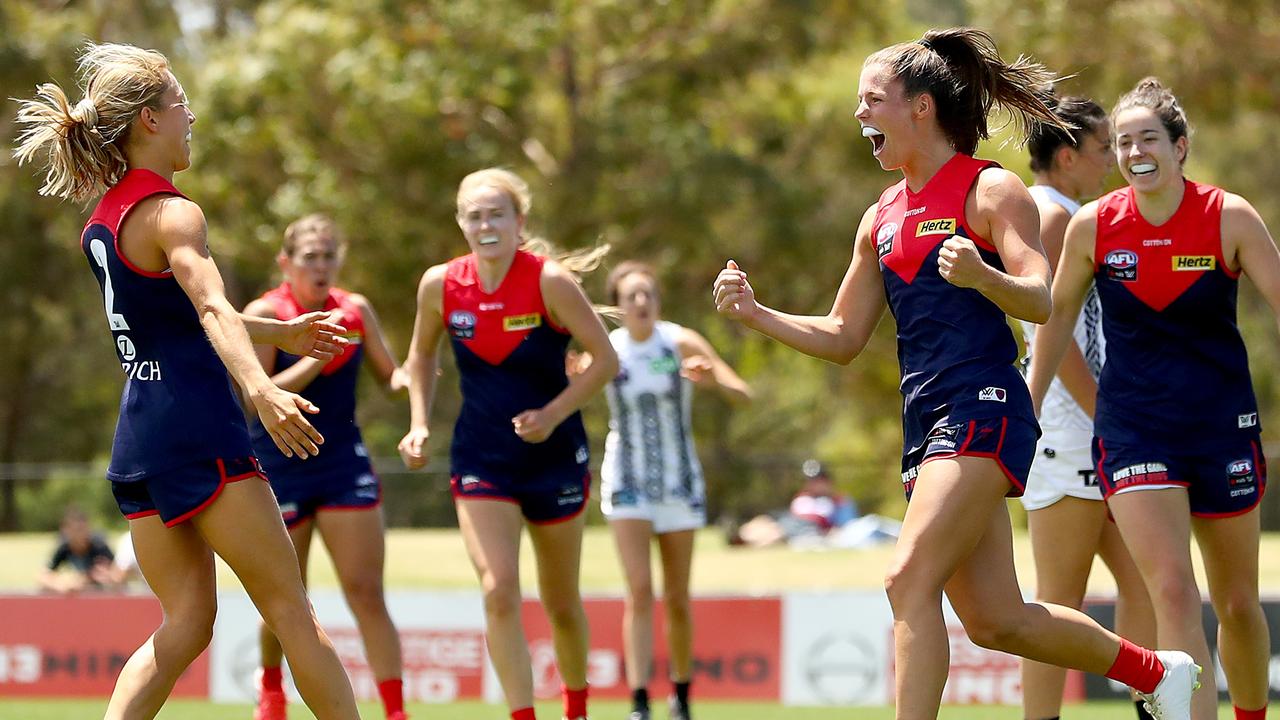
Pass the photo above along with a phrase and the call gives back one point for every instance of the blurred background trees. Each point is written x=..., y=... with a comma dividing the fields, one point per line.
x=682, y=132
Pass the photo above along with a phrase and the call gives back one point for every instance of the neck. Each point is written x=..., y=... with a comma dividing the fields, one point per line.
x=926, y=162
x=642, y=333
x=307, y=301
x=142, y=159
x=1159, y=205
x=492, y=272
x=1056, y=181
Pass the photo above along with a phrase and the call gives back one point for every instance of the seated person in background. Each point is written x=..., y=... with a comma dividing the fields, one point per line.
x=818, y=503
x=84, y=550
x=124, y=571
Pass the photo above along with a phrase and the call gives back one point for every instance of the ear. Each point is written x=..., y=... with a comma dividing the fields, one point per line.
x=922, y=106
x=1065, y=157
x=282, y=260
x=1180, y=148
x=149, y=119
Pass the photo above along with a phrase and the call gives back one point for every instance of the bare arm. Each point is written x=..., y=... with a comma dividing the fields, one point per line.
x=1075, y=272
x=420, y=365
x=381, y=360
x=297, y=376
x=1001, y=209
x=569, y=308
x=841, y=334
x=702, y=365
x=1254, y=249
x=1074, y=371
x=177, y=227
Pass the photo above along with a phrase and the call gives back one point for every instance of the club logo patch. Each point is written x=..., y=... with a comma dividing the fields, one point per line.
x=1122, y=265
x=1194, y=263
x=993, y=393
x=884, y=239
x=940, y=226
x=1247, y=420
x=462, y=324
x=513, y=323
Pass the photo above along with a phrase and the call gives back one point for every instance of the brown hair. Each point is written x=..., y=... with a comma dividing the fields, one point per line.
x=1151, y=94
x=963, y=71
x=86, y=142
x=1080, y=113
x=311, y=225
x=625, y=268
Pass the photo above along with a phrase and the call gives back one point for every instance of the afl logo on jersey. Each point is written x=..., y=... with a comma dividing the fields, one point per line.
x=1122, y=265
x=462, y=324
x=884, y=239
x=940, y=226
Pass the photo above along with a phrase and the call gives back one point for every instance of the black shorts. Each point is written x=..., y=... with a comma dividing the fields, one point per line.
x=180, y=494
x=545, y=495
x=1220, y=483
x=1010, y=441
x=351, y=485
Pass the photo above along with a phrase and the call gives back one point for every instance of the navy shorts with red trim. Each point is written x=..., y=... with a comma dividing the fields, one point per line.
x=545, y=496
x=350, y=486
x=180, y=494
x=1010, y=441
x=1220, y=483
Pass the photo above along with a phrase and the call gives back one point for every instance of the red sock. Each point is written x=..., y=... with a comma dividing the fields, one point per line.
x=575, y=702
x=272, y=679
x=1259, y=714
x=392, y=692
x=523, y=714
x=1137, y=667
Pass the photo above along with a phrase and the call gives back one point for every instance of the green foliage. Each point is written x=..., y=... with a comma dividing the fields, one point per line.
x=683, y=132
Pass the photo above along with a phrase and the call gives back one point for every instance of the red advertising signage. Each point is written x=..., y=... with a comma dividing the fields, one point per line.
x=439, y=665
x=736, y=648
x=75, y=646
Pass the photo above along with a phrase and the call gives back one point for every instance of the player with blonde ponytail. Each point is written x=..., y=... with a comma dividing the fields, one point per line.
x=182, y=470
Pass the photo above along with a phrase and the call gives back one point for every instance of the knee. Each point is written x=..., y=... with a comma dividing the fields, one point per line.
x=1175, y=594
x=994, y=631
x=564, y=610
x=640, y=598
x=677, y=605
x=191, y=626
x=502, y=595
x=364, y=594
x=1237, y=608
x=907, y=588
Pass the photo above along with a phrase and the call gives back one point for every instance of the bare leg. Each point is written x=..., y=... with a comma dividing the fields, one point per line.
x=491, y=533
x=632, y=538
x=1230, y=550
x=558, y=549
x=355, y=540
x=178, y=566
x=1135, y=618
x=269, y=646
x=1064, y=538
x=1156, y=526
x=677, y=560
x=244, y=527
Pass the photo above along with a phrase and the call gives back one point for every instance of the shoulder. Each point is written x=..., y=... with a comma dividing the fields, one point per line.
x=434, y=276
x=173, y=213
x=360, y=302
x=1239, y=216
x=997, y=184
x=261, y=307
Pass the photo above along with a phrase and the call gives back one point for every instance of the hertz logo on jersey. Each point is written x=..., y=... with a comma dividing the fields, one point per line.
x=1194, y=262
x=513, y=323
x=941, y=226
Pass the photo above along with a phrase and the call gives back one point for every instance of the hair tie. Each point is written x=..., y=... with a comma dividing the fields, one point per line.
x=86, y=112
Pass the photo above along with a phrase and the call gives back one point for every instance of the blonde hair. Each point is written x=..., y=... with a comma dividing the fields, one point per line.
x=578, y=262
x=86, y=141
x=315, y=224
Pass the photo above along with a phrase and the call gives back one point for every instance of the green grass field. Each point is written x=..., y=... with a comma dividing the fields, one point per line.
x=434, y=559
x=186, y=710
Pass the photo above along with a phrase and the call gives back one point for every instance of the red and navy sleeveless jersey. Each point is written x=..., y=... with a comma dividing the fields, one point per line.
x=955, y=348
x=1177, y=373
x=333, y=390
x=178, y=406
x=510, y=358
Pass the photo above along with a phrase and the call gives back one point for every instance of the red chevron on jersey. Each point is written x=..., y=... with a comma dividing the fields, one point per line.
x=287, y=307
x=492, y=325
x=909, y=226
x=1158, y=264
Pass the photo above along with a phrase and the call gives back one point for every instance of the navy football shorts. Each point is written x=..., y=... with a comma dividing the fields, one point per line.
x=545, y=495
x=1220, y=483
x=1010, y=441
x=180, y=494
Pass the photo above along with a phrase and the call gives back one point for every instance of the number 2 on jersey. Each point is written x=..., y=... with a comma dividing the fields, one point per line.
x=114, y=319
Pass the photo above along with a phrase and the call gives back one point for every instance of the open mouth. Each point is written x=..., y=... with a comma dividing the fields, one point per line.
x=1142, y=169
x=490, y=239
x=876, y=137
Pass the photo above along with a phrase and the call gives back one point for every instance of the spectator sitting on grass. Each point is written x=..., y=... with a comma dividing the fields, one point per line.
x=84, y=550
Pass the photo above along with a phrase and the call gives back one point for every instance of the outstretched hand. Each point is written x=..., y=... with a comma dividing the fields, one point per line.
x=314, y=334
x=282, y=416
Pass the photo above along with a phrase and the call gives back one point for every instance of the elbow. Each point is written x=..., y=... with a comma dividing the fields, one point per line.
x=1040, y=314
